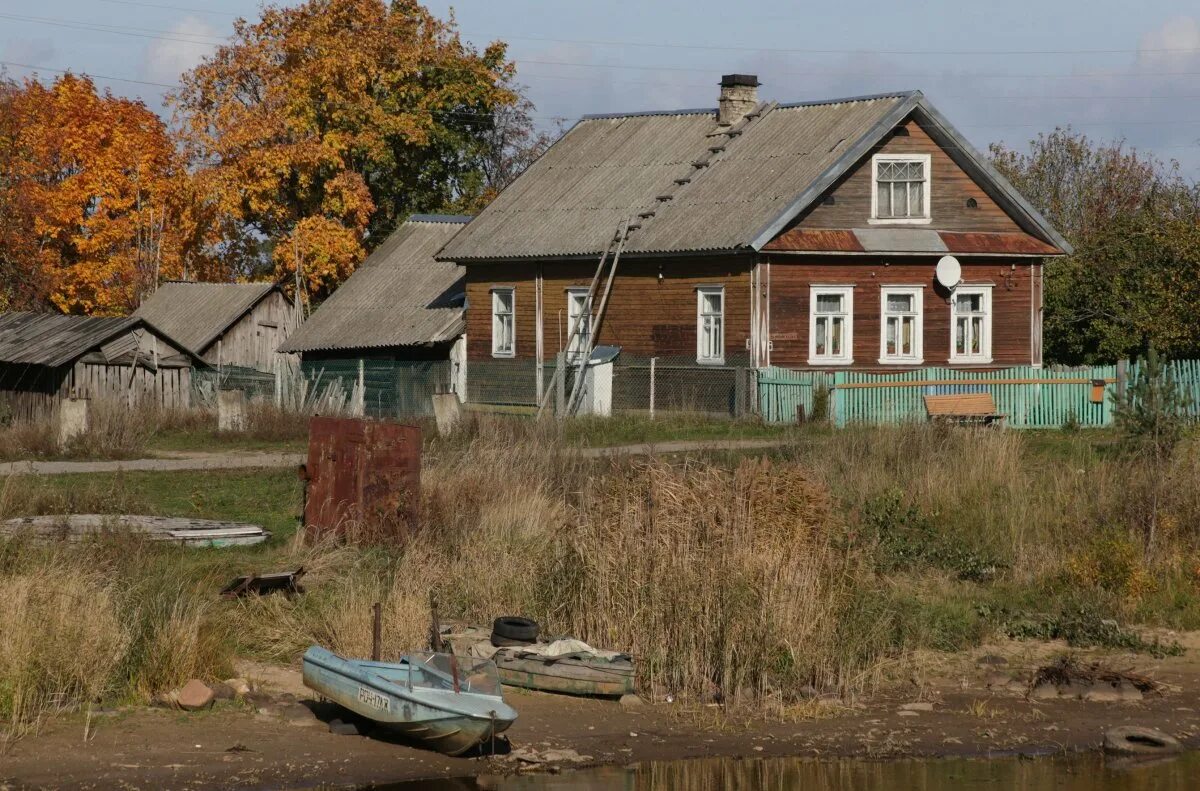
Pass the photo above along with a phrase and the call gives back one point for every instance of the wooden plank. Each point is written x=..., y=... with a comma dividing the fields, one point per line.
x=936, y=382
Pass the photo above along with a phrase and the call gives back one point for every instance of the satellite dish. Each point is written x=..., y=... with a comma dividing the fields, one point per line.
x=949, y=271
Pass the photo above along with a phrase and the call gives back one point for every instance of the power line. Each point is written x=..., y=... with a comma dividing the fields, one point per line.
x=173, y=8
x=159, y=35
x=86, y=74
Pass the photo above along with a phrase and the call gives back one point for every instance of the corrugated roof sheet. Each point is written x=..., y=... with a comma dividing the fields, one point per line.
x=196, y=314
x=606, y=169
x=400, y=296
x=54, y=339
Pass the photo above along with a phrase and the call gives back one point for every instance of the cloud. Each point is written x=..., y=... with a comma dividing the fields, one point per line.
x=1175, y=44
x=188, y=44
x=33, y=51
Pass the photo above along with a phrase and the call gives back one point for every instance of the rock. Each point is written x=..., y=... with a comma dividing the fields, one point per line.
x=240, y=686
x=992, y=660
x=1102, y=695
x=194, y=695
x=631, y=702
x=344, y=728
x=564, y=756
x=222, y=691
x=1044, y=692
x=167, y=700
x=298, y=715
x=920, y=705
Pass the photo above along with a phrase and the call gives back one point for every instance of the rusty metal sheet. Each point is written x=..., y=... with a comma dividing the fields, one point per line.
x=1014, y=243
x=363, y=478
x=816, y=240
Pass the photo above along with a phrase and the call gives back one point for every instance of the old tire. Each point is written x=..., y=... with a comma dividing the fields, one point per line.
x=1133, y=740
x=515, y=628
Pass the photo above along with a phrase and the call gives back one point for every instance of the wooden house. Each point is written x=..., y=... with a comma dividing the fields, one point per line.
x=45, y=358
x=399, y=318
x=227, y=324
x=804, y=235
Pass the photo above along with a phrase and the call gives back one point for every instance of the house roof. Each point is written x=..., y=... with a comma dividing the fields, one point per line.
x=196, y=314
x=693, y=186
x=400, y=296
x=55, y=339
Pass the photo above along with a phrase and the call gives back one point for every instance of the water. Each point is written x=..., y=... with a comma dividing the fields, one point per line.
x=1092, y=772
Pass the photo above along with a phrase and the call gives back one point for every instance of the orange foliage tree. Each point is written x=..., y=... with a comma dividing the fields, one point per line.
x=323, y=125
x=96, y=182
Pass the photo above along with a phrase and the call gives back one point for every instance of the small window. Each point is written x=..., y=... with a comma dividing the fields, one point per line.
x=971, y=324
x=504, y=341
x=901, y=188
x=831, y=325
x=578, y=307
x=901, y=320
x=710, y=325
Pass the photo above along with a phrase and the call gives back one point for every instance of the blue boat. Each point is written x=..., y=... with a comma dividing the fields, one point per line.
x=448, y=703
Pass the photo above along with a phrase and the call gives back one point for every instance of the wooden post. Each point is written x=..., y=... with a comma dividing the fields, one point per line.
x=1122, y=378
x=653, y=366
x=377, y=633
x=435, y=626
x=560, y=386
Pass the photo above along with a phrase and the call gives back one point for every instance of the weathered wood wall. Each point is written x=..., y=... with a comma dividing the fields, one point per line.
x=1014, y=298
x=252, y=340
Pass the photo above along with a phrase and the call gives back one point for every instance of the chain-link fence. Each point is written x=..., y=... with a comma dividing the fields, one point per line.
x=377, y=388
x=625, y=383
x=207, y=382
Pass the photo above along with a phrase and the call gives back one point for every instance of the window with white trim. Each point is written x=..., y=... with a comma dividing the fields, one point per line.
x=578, y=307
x=710, y=325
x=901, y=193
x=900, y=322
x=971, y=324
x=831, y=325
x=504, y=339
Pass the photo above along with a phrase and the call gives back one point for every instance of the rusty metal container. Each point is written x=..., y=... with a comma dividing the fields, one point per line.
x=363, y=479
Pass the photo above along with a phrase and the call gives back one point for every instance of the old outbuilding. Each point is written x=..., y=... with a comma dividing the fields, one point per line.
x=396, y=324
x=860, y=233
x=47, y=358
x=227, y=324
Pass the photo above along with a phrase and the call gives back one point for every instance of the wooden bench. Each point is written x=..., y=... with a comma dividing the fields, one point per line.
x=964, y=408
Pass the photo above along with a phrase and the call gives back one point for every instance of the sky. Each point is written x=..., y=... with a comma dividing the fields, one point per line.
x=1000, y=72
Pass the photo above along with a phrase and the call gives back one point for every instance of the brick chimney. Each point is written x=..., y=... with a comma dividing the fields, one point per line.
x=739, y=95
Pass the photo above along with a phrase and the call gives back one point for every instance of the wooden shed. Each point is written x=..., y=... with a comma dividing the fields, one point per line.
x=45, y=358
x=239, y=324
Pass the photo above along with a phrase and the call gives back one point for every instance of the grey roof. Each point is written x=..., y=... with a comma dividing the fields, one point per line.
x=55, y=339
x=400, y=296
x=611, y=168
x=196, y=314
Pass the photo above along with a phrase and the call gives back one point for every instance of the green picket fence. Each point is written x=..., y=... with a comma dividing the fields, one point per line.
x=786, y=396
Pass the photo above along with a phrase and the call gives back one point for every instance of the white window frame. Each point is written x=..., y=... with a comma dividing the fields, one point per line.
x=927, y=161
x=497, y=349
x=576, y=346
x=701, y=356
x=918, y=295
x=847, y=355
x=985, y=348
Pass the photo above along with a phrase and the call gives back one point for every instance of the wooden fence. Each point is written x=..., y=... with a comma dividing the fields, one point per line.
x=1029, y=397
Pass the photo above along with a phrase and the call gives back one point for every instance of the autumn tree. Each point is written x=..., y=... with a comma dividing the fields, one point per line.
x=1134, y=279
x=21, y=286
x=93, y=183
x=321, y=126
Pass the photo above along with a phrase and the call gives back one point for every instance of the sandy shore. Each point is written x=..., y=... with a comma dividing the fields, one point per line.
x=949, y=706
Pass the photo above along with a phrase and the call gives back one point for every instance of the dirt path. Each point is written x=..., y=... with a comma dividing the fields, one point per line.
x=283, y=743
x=233, y=460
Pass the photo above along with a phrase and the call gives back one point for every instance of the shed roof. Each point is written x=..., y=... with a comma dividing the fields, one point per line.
x=693, y=187
x=55, y=339
x=196, y=314
x=400, y=296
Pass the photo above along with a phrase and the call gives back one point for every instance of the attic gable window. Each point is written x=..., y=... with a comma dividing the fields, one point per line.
x=902, y=188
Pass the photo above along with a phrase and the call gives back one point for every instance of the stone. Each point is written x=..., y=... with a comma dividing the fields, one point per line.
x=992, y=660
x=920, y=705
x=631, y=702
x=343, y=728
x=240, y=686
x=222, y=691
x=297, y=714
x=564, y=756
x=194, y=695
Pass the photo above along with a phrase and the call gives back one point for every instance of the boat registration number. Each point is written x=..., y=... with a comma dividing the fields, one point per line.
x=372, y=699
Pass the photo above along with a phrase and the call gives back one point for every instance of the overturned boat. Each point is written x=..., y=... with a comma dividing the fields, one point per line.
x=566, y=666
x=448, y=703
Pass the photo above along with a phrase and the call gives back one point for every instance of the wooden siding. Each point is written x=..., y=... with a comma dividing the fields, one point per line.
x=252, y=340
x=1014, y=296
x=29, y=392
x=950, y=187
x=646, y=316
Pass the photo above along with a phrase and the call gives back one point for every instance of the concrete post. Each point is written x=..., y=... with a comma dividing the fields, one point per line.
x=560, y=393
x=653, y=366
x=446, y=411
x=231, y=410
x=72, y=419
